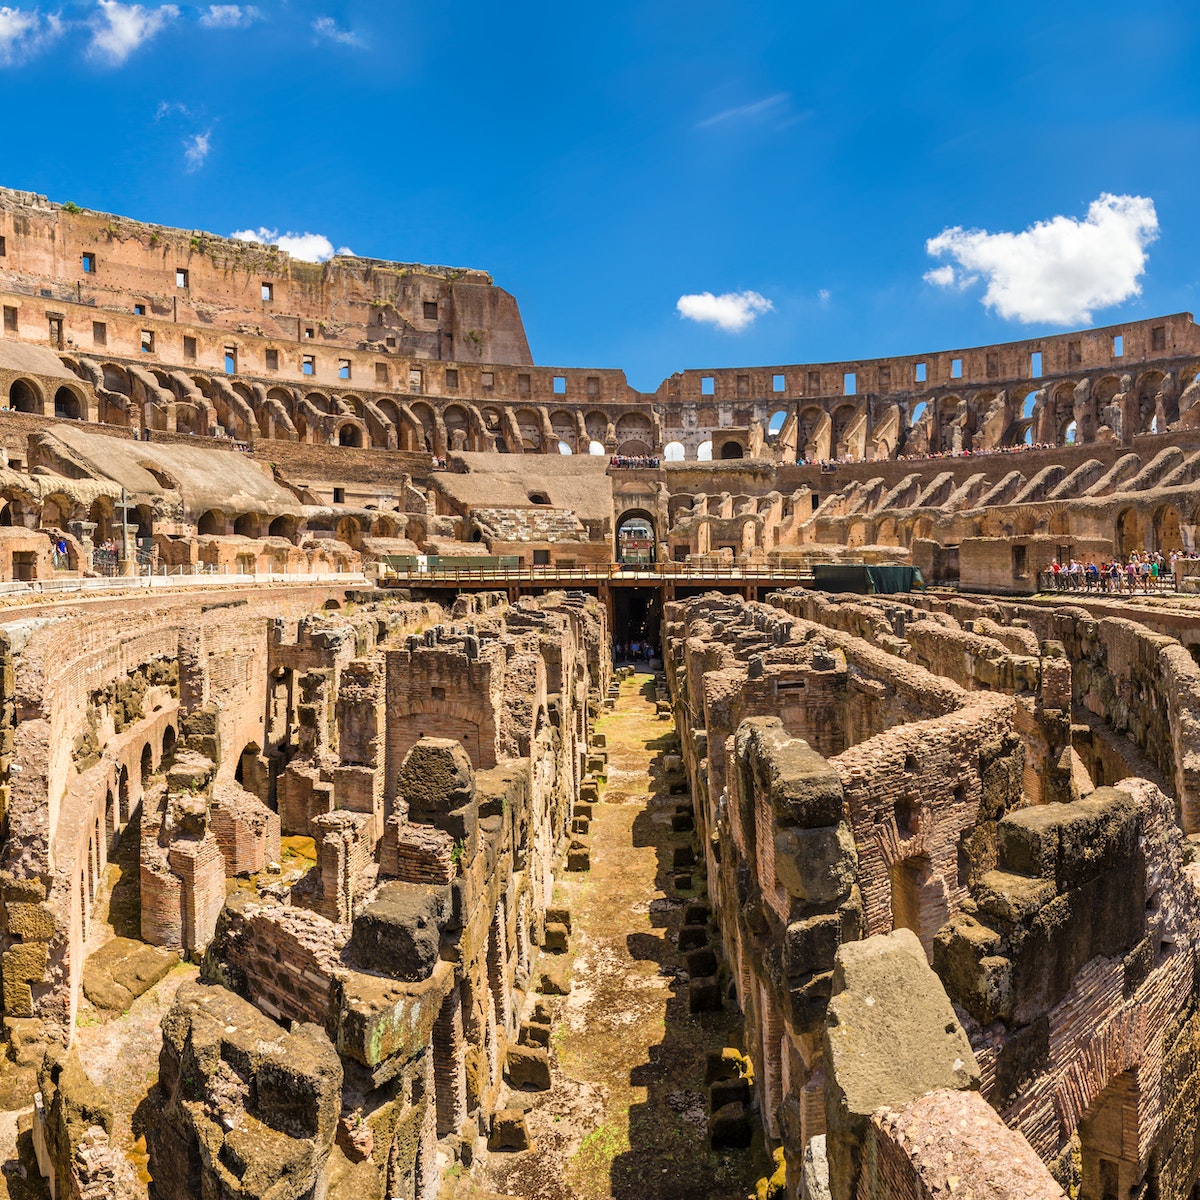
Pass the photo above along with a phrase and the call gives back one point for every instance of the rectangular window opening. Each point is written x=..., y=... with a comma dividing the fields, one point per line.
x=10, y=319
x=308, y=366
x=3, y=247
x=56, y=330
x=993, y=366
x=814, y=383
x=309, y=333
x=189, y=347
x=89, y=264
x=181, y=277
x=139, y=310
x=524, y=385
x=339, y=495
x=708, y=385
x=1118, y=346
x=1035, y=365
x=593, y=385
x=99, y=333
x=430, y=308
x=1158, y=337
x=272, y=360
x=268, y=292
x=849, y=383
x=1074, y=353
x=452, y=379
x=956, y=368
x=560, y=385
x=416, y=379
x=391, y=343
x=920, y=373
x=381, y=373
x=147, y=342
x=488, y=380
x=230, y=360
x=778, y=383
x=343, y=368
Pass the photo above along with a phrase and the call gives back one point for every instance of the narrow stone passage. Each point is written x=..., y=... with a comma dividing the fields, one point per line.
x=627, y=1112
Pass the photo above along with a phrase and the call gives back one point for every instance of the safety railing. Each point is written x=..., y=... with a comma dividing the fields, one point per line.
x=600, y=573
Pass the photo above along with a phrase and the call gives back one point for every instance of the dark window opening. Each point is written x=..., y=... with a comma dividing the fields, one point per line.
x=99, y=333
x=139, y=310
x=1158, y=337
x=89, y=264
x=541, y=558
x=430, y=307
x=272, y=360
x=3, y=247
x=56, y=331
x=339, y=495
x=1020, y=562
x=147, y=342
x=451, y=379
x=381, y=373
x=309, y=332
x=10, y=319
x=189, y=347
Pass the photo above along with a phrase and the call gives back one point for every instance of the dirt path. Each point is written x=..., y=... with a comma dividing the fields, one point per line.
x=627, y=1114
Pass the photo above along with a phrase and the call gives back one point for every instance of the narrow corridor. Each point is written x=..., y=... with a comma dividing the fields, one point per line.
x=626, y=1116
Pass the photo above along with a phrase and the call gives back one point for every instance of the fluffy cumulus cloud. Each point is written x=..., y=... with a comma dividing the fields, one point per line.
x=1057, y=271
x=25, y=32
x=195, y=150
x=730, y=311
x=308, y=247
x=119, y=29
x=229, y=16
x=327, y=28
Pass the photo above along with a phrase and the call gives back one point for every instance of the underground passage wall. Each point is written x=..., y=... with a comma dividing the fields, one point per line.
x=348, y=812
x=862, y=766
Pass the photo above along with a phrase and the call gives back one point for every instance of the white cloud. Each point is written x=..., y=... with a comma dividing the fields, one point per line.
x=1057, y=271
x=119, y=29
x=824, y=295
x=308, y=247
x=940, y=276
x=229, y=16
x=326, y=27
x=24, y=33
x=195, y=150
x=759, y=108
x=731, y=311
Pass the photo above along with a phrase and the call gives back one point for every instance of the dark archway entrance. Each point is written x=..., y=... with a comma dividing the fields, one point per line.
x=637, y=617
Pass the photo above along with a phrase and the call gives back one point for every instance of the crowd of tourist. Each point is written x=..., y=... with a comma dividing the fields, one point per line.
x=438, y=463
x=1141, y=571
x=846, y=460
x=635, y=460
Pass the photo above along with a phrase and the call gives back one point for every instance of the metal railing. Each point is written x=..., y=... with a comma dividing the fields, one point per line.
x=668, y=572
x=204, y=577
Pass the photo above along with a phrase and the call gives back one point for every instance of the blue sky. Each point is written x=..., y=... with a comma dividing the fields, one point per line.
x=605, y=161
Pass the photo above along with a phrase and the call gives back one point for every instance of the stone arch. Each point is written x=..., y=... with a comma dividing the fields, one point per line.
x=25, y=396
x=704, y=451
x=349, y=530
x=630, y=543
x=564, y=426
x=351, y=433
x=731, y=450
x=283, y=526
x=458, y=428
x=1146, y=390
x=674, y=452
x=596, y=423
x=247, y=524
x=529, y=425
x=67, y=404
x=635, y=427
x=1130, y=532
x=1167, y=535
x=211, y=522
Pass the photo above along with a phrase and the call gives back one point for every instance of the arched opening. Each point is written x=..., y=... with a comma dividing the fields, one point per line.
x=283, y=527
x=1028, y=406
x=563, y=448
x=246, y=525
x=919, y=899
x=776, y=423
x=595, y=447
x=147, y=764
x=350, y=435
x=168, y=744
x=123, y=794
x=731, y=450
x=66, y=404
x=1130, y=536
x=23, y=397
x=538, y=498
x=674, y=452
x=1108, y=1144
x=918, y=412
x=1069, y=434
x=704, y=452
x=210, y=523
x=350, y=532
x=1167, y=535
x=635, y=538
